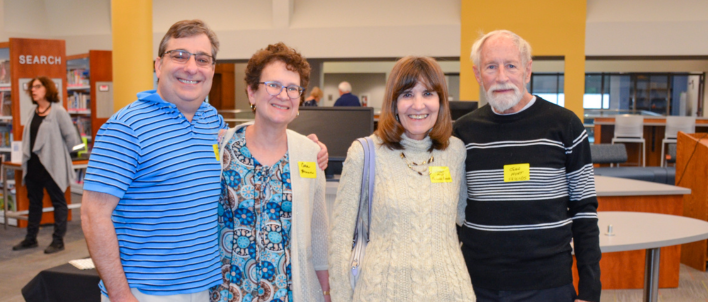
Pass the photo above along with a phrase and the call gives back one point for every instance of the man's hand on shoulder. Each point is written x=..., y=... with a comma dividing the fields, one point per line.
x=322, y=156
x=578, y=300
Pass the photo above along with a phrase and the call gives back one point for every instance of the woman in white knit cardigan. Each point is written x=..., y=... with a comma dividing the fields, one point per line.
x=272, y=217
x=419, y=194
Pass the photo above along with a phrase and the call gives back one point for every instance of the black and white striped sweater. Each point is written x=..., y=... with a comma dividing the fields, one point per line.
x=517, y=234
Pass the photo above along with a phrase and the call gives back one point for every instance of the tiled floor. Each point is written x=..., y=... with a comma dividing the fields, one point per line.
x=18, y=268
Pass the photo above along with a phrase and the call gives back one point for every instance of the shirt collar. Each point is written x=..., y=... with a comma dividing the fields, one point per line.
x=153, y=97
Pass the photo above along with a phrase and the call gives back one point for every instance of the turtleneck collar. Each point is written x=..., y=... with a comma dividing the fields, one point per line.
x=416, y=145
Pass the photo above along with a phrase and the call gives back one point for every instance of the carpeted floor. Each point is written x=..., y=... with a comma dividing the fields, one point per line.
x=13, y=235
x=18, y=268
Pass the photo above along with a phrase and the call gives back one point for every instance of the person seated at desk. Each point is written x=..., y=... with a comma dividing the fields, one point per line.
x=47, y=139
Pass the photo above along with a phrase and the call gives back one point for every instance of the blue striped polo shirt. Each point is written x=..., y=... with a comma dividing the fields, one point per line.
x=164, y=170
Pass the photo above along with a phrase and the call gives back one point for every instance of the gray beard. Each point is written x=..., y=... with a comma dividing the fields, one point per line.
x=503, y=103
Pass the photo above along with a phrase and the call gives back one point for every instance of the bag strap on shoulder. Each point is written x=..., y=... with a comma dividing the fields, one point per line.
x=367, y=182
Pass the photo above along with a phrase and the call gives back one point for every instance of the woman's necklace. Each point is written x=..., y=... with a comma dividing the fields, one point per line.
x=411, y=164
x=45, y=109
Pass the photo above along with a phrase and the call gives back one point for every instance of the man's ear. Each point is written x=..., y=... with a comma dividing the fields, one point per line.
x=158, y=64
x=528, y=72
x=477, y=75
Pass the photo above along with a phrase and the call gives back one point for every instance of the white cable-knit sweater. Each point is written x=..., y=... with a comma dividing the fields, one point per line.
x=413, y=253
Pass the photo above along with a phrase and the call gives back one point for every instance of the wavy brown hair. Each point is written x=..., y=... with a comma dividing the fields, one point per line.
x=407, y=72
x=52, y=94
x=276, y=52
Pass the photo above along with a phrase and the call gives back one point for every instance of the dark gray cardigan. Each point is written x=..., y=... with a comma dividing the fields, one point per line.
x=55, y=139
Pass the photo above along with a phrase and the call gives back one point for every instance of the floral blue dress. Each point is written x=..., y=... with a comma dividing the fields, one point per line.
x=255, y=210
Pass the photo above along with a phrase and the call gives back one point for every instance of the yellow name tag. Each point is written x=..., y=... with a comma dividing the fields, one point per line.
x=518, y=172
x=216, y=151
x=308, y=169
x=439, y=174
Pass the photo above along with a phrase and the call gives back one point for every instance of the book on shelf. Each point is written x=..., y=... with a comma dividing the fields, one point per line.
x=10, y=201
x=83, y=123
x=79, y=101
x=80, y=174
x=77, y=77
x=5, y=135
x=6, y=103
x=4, y=71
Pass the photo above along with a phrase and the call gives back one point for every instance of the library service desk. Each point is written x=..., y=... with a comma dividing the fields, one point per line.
x=621, y=269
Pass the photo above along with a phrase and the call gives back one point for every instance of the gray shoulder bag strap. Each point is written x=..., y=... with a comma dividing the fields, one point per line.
x=367, y=192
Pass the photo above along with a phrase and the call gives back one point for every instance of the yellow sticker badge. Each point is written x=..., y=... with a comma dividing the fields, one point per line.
x=517, y=172
x=216, y=151
x=308, y=169
x=439, y=174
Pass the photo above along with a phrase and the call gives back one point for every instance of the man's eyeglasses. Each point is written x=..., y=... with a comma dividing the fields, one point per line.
x=274, y=88
x=182, y=56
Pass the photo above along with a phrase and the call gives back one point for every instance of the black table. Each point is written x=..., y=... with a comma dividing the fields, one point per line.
x=63, y=283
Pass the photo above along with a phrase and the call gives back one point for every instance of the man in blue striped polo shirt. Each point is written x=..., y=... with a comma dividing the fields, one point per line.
x=149, y=210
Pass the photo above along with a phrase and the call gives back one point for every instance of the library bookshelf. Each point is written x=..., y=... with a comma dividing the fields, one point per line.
x=90, y=102
x=21, y=60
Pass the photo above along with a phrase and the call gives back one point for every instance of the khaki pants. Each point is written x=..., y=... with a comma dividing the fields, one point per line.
x=202, y=296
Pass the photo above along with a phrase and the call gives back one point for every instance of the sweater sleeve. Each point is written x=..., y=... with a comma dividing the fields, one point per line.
x=462, y=202
x=343, y=222
x=68, y=132
x=320, y=224
x=582, y=209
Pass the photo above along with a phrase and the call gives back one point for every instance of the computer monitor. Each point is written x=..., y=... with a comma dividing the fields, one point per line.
x=336, y=127
x=460, y=108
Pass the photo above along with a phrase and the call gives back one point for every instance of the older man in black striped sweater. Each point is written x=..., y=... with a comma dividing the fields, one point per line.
x=530, y=186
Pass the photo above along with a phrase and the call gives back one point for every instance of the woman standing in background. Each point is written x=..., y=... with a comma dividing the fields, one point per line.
x=47, y=139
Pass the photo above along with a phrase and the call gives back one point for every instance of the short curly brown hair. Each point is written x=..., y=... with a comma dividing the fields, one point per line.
x=276, y=52
x=52, y=94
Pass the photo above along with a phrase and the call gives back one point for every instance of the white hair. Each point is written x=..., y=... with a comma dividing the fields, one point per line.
x=524, y=47
x=345, y=87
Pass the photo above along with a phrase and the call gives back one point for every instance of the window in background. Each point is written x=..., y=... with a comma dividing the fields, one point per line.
x=660, y=93
x=652, y=92
x=680, y=95
x=596, y=92
x=548, y=86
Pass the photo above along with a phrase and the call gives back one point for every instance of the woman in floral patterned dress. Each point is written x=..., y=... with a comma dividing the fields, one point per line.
x=272, y=217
